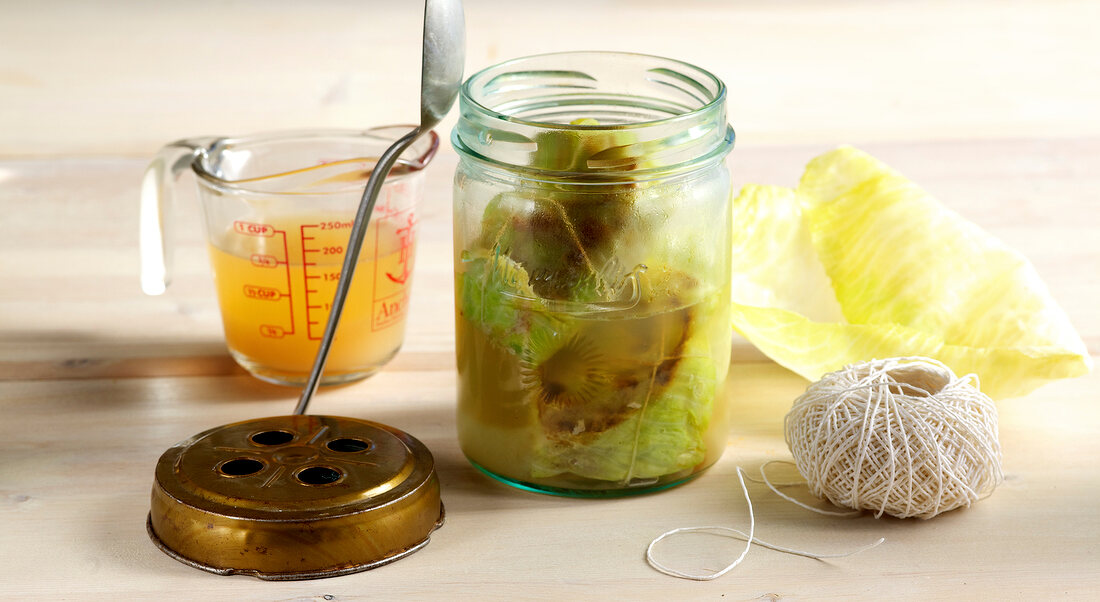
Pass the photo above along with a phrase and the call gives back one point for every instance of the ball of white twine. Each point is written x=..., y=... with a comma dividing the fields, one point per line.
x=902, y=436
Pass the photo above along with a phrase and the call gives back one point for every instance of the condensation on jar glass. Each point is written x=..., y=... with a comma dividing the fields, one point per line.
x=592, y=272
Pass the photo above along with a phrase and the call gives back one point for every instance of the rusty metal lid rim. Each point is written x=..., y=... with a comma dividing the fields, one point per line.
x=300, y=576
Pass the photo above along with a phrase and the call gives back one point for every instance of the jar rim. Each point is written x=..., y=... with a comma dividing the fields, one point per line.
x=593, y=116
x=719, y=97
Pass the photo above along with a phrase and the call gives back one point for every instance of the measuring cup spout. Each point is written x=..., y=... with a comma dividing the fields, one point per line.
x=157, y=199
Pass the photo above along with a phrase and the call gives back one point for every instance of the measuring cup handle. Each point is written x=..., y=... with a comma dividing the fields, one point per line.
x=157, y=198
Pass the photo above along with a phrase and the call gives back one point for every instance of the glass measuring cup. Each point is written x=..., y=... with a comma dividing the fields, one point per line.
x=278, y=209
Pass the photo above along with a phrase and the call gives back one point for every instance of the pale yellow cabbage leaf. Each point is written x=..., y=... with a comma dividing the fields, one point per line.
x=860, y=263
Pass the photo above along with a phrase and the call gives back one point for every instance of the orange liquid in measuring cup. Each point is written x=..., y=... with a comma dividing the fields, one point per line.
x=275, y=283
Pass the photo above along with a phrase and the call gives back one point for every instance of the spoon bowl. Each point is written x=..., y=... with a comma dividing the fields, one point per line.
x=444, y=55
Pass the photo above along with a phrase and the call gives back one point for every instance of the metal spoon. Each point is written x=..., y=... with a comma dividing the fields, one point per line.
x=440, y=76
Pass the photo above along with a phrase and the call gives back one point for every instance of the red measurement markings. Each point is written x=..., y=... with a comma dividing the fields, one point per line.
x=263, y=293
x=272, y=331
x=309, y=252
x=265, y=261
x=254, y=229
x=289, y=289
x=262, y=260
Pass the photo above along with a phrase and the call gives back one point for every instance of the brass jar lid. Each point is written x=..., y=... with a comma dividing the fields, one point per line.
x=295, y=497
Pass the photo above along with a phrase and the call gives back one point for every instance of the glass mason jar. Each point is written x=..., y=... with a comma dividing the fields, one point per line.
x=592, y=272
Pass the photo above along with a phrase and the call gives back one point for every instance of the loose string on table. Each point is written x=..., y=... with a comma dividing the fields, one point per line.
x=749, y=538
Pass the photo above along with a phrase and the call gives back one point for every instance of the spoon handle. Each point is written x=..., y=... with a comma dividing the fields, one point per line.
x=351, y=259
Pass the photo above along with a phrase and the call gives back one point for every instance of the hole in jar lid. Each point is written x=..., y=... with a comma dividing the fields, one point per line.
x=272, y=437
x=240, y=467
x=319, y=475
x=348, y=445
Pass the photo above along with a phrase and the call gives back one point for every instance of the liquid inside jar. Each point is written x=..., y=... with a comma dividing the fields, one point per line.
x=578, y=373
x=626, y=401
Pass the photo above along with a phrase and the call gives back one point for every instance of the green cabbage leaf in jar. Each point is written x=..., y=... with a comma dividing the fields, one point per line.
x=624, y=409
x=616, y=366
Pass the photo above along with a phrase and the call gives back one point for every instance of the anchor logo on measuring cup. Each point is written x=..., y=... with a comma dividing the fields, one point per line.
x=405, y=234
x=278, y=210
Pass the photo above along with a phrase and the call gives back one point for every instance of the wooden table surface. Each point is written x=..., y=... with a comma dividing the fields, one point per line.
x=991, y=106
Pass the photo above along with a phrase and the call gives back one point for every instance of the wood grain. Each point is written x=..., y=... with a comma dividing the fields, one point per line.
x=77, y=468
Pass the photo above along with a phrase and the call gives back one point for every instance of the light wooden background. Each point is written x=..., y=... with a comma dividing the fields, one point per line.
x=992, y=106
